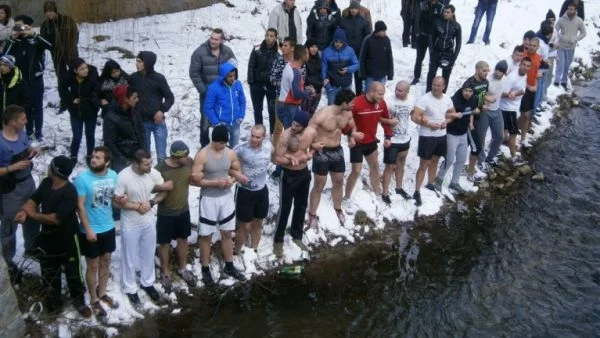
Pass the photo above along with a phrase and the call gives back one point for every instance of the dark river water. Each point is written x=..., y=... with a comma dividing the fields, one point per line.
x=521, y=263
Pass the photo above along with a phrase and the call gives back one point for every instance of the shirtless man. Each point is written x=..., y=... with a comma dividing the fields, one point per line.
x=295, y=179
x=330, y=122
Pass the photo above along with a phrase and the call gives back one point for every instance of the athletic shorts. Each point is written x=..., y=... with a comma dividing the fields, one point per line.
x=105, y=243
x=390, y=155
x=473, y=140
x=173, y=227
x=431, y=145
x=216, y=214
x=510, y=122
x=329, y=160
x=251, y=204
x=362, y=150
x=527, y=101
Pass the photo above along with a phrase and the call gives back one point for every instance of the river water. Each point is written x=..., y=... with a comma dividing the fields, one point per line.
x=521, y=263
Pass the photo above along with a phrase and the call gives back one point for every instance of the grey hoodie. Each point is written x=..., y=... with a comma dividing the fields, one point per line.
x=570, y=31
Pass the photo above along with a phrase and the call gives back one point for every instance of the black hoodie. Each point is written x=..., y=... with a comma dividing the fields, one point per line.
x=86, y=91
x=152, y=87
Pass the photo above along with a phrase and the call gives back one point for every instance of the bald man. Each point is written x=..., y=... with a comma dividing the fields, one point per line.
x=431, y=111
x=401, y=105
x=369, y=110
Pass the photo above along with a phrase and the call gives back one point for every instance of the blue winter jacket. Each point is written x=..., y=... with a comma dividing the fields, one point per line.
x=225, y=104
x=334, y=59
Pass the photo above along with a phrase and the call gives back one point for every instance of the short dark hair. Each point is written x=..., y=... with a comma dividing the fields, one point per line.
x=291, y=40
x=299, y=52
x=219, y=31
x=130, y=91
x=344, y=96
x=450, y=7
x=546, y=28
x=106, y=151
x=572, y=4
x=527, y=58
x=140, y=155
x=11, y=113
x=25, y=18
x=271, y=29
x=519, y=49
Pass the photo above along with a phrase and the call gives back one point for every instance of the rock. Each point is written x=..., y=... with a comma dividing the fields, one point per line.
x=575, y=103
x=484, y=185
x=504, y=166
x=361, y=218
x=595, y=107
x=502, y=173
x=492, y=175
x=11, y=322
x=524, y=170
x=498, y=185
x=538, y=177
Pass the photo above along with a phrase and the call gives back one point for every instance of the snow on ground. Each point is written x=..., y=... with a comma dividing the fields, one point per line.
x=175, y=36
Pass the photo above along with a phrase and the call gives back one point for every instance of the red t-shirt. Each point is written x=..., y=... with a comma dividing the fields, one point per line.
x=366, y=117
x=536, y=61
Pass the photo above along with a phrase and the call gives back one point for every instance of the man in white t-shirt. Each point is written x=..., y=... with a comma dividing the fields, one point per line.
x=514, y=59
x=430, y=114
x=138, y=232
x=492, y=118
x=400, y=106
x=510, y=104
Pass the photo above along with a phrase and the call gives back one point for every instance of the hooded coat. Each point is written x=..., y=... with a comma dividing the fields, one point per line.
x=376, y=58
x=152, y=87
x=333, y=60
x=224, y=103
x=86, y=91
x=321, y=28
x=13, y=90
x=30, y=54
x=107, y=83
x=123, y=134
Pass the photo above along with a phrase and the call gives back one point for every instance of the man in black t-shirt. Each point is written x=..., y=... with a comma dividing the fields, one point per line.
x=57, y=199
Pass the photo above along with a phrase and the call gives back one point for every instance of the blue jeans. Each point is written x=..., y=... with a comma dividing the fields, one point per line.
x=160, y=138
x=332, y=92
x=563, y=63
x=368, y=80
x=286, y=113
x=234, y=134
x=77, y=126
x=539, y=94
x=490, y=13
x=35, y=113
x=204, y=125
x=493, y=120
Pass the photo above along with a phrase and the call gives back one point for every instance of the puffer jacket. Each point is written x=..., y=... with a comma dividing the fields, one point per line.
x=357, y=29
x=321, y=29
x=334, y=59
x=259, y=65
x=86, y=91
x=153, y=90
x=225, y=104
x=13, y=90
x=204, y=66
x=123, y=134
x=313, y=73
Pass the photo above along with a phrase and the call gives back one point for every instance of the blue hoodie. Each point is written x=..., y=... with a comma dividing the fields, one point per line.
x=225, y=104
x=334, y=59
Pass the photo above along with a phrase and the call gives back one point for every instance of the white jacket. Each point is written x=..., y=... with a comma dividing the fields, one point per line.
x=278, y=19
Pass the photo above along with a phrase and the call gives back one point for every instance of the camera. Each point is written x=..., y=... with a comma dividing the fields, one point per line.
x=19, y=28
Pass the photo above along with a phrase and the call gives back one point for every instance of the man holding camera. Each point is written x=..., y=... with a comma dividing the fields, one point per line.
x=29, y=48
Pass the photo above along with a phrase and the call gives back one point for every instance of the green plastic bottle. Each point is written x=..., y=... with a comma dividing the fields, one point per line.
x=291, y=270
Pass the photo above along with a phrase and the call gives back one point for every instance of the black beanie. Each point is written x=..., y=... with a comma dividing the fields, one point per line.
x=380, y=26
x=62, y=167
x=502, y=66
x=302, y=118
x=220, y=134
x=550, y=15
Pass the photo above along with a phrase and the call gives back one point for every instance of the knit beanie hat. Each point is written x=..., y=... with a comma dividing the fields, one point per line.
x=380, y=26
x=502, y=66
x=119, y=92
x=302, y=117
x=8, y=60
x=354, y=4
x=550, y=15
x=62, y=166
x=220, y=134
x=180, y=149
x=75, y=63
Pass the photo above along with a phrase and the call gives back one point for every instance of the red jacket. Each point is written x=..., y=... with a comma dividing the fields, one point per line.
x=366, y=117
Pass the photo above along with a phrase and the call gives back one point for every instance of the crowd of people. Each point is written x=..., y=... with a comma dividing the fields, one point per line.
x=345, y=56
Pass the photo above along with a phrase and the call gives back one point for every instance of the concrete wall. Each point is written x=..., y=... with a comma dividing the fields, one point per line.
x=105, y=10
x=11, y=323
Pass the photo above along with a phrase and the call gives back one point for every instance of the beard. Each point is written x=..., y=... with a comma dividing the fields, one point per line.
x=97, y=169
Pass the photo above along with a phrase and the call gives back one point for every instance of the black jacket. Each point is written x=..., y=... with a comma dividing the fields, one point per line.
x=313, y=73
x=86, y=91
x=426, y=16
x=13, y=90
x=29, y=54
x=321, y=30
x=259, y=65
x=446, y=38
x=376, y=58
x=153, y=90
x=357, y=29
x=123, y=134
